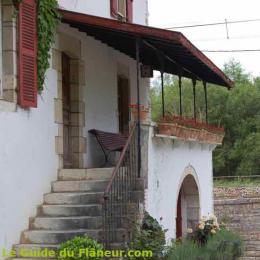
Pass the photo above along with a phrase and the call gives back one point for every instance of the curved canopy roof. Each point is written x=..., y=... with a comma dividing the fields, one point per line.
x=179, y=55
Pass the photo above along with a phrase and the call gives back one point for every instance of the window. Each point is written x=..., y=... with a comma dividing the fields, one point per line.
x=122, y=10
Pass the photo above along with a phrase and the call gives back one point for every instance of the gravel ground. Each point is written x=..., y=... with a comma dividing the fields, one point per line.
x=237, y=192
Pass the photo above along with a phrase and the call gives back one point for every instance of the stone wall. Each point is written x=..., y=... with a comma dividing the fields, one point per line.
x=242, y=213
x=9, y=56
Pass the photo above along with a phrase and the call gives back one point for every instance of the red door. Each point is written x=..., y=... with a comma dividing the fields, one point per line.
x=179, y=218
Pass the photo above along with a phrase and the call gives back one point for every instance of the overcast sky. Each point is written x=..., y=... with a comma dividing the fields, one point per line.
x=170, y=13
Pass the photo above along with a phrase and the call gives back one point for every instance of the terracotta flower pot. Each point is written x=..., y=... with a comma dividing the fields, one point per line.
x=200, y=135
x=143, y=115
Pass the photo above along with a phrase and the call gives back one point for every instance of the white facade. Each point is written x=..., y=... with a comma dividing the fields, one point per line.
x=169, y=162
x=102, y=8
x=29, y=162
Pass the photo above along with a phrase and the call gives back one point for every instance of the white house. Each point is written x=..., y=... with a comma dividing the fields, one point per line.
x=96, y=78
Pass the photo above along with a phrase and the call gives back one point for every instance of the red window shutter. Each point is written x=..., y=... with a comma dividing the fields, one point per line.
x=130, y=11
x=27, y=54
x=114, y=8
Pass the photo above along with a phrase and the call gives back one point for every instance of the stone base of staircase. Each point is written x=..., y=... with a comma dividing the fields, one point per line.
x=73, y=208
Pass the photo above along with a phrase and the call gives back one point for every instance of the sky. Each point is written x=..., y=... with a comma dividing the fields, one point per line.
x=172, y=13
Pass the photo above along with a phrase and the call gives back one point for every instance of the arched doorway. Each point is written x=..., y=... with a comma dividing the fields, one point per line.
x=188, y=206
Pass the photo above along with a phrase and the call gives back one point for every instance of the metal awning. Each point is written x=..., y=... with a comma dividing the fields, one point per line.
x=180, y=56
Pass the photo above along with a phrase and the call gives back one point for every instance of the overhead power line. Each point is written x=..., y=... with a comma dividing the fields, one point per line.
x=253, y=50
x=213, y=24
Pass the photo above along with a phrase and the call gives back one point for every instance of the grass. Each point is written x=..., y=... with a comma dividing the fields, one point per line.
x=237, y=183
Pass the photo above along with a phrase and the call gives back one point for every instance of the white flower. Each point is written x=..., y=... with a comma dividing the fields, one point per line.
x=216, y=225
x=201, y=226
x=189, y=230
x=213, y=217
x=213, y=231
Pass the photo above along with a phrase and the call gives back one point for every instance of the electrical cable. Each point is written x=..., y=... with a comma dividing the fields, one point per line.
x=213, y=24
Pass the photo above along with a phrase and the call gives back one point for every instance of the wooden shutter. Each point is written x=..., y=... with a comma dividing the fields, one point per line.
x=130, y=11
x=27, y=54
x=114, y=8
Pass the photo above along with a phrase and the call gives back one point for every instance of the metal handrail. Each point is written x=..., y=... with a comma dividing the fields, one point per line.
x=119, y=163
x=119, y=191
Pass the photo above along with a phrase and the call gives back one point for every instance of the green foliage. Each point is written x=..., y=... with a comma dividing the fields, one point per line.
x=237, y=110
x=237, y=183
x=48, y=18
x=149, y=236
x=74, y=245
x=224, y=245
x=187, y=249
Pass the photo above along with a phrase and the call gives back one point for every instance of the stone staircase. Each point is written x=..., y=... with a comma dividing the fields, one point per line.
x=243, y=216
x=73, y=208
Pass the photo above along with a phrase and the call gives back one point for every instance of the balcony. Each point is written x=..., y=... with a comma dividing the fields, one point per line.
x=178, y=127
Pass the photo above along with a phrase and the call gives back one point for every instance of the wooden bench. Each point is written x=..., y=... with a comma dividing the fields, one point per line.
x=109, y=142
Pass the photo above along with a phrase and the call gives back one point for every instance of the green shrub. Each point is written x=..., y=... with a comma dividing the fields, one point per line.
x=187, y=249
x=149, y=236
x=70, y=250
x=224, y=245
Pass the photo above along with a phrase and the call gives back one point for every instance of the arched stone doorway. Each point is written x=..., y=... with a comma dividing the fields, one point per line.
x=188, y=206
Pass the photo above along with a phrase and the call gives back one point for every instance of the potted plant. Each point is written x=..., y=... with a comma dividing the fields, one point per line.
x=144, y=112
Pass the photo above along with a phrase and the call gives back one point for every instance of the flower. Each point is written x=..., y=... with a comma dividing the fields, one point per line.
x=201, y=226
x=189, y=230
x=213, y=231
x=201, y=222
x=216, y=225
x=213, y=217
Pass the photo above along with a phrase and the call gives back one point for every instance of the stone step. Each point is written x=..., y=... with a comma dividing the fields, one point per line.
x=59, y=236
x=88, y=185
x=85, y=174
x=71, y=198
x=67, y=198
x=79, y=186
x=69, y=210
x=65, y=223
x=28, y=250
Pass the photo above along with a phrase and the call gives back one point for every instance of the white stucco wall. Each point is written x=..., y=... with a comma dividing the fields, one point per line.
x=101, y=92
x=28, y=162
x=103, y=64
x=167, y=160
x=102, y=8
